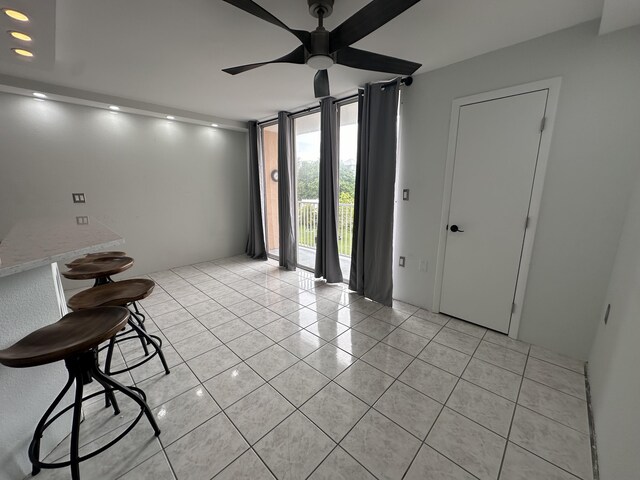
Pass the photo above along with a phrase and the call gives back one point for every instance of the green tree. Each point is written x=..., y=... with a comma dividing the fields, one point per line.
x=308, y=181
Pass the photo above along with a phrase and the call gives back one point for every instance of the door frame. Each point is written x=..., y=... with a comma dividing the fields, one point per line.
x=264, y=176
x=553, y=87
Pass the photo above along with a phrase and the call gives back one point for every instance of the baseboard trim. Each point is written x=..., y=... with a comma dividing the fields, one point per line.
x=592, y=426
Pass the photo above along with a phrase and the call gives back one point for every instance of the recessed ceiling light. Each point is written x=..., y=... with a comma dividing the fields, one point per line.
x=113, y=107
x=20, y=36
x=15, y=14
x=214, y=124
x=22, y=52
x=170, y=117
x=39, y=95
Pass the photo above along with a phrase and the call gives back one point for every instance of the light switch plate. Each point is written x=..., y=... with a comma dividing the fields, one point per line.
x=78, y=198
x=82, y=220
x=401, y=262
x=405, y=194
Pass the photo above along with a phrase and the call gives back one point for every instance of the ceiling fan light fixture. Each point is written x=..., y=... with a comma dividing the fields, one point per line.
x=320, y=62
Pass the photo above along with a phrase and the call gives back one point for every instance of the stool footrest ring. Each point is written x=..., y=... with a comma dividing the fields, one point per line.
x=79, y=367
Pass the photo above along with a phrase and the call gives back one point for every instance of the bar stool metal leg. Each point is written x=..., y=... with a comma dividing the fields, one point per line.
x=74, y=454
x=34, y=447
x=134, y=393
x=153, y=341
x=85, y=364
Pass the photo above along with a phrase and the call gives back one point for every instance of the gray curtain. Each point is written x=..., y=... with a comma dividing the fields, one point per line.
x=327, y=260
x=372, y=249
x=286, y=193
x=255, y=243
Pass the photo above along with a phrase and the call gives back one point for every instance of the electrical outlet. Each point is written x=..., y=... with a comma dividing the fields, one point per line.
x=83, y=220
x=405, y=194
x=423, y=265
x=78, y=198
x=401, y=262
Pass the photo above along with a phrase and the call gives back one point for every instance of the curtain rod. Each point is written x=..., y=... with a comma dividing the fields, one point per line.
x=404, y=81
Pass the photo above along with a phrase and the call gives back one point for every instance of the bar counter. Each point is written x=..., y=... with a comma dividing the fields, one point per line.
x=31, y=296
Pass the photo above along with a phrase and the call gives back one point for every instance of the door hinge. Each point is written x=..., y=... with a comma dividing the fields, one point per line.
x=513, y=307
x=543, y=122
x=527, y=222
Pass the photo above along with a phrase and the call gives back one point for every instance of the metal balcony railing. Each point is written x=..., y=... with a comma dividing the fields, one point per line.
x=308, y=225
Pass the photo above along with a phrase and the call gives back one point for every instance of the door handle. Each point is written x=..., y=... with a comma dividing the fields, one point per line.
x=455, y=228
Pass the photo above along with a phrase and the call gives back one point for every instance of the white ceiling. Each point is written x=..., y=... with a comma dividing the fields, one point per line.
x=618, y=14
x=171, y=53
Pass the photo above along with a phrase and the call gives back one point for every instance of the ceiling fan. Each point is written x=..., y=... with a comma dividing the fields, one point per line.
x=322, y=49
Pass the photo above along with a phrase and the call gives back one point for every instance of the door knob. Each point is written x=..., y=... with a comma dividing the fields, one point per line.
x=455, y=228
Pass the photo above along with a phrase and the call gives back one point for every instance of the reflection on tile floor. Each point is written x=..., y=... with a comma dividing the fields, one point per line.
x=275, y=375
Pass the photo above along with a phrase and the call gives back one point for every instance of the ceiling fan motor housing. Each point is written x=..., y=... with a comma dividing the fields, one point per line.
x=317, y=6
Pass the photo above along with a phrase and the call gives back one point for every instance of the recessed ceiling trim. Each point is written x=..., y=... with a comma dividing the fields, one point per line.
x=26, y=87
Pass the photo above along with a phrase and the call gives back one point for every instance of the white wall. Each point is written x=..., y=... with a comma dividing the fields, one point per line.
x=615, y=357
x=176, y=192
x=592, y=164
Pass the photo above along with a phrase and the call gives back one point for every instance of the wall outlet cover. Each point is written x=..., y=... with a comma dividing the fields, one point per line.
x=401, y=262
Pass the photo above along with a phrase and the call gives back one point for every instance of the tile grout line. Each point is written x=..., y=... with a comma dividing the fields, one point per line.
x=513, y=416
x=259, y=273
x=332, y=380
x=444, y=405
x=201, y=383
x=221, y=411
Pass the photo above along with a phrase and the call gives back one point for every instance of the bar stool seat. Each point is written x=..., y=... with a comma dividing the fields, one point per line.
x=101, y=267
x=75, y=332
x=112, y=294
x=123, y=294
x=74, y=339
x=89, y=257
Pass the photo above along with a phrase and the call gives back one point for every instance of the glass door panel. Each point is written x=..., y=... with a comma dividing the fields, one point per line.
x=348, y=151
x=307, y=152
x=270, y=165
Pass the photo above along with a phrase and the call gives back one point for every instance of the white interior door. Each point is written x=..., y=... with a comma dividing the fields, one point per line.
x=496, y=155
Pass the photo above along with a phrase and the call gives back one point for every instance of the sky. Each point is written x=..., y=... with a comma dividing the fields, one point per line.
x=308, y=144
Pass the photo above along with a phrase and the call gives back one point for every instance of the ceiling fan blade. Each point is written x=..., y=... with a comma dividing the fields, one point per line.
x=366, y=20
x=352, y=57
x=297, y=57
x=256, y=10
x=321, y=84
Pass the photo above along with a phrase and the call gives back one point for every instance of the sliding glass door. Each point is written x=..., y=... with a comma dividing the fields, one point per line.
x=348, y=151
x=306, y=135
x=269, y=141
x=307, y=152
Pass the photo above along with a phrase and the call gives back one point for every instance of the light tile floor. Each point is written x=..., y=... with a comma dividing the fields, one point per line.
x=276, y=375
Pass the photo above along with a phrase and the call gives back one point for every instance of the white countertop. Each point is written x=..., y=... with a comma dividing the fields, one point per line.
x=39, y=242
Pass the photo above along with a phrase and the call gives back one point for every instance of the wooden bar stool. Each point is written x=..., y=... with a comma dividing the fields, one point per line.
x=124, y=293
x=92, y=256
x=75, y=339
x=99, y=269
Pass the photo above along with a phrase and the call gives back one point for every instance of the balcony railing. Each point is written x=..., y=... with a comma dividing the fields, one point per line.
x=308, y=225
